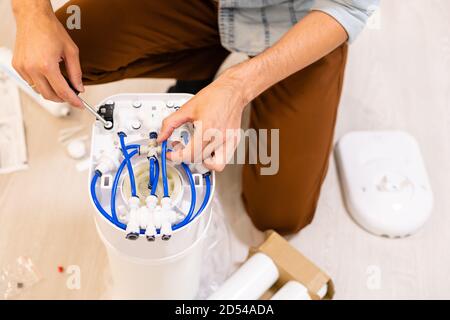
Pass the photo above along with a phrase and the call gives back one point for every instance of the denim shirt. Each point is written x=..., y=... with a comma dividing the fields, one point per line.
x=251, y=26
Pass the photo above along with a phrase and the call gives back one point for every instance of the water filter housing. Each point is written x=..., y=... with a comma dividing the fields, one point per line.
x=385, y=183
x=142, y=269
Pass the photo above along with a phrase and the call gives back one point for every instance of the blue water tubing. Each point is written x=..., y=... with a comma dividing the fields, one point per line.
x=113, y=217
x=164, y=169
x=128, y=163
x=188, y=217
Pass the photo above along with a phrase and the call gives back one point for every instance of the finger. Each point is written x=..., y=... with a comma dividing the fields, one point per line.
x=61, y=88
x=210, y=148
x=24, y=75
x=222, y=156
x=73, y=67
x=172, y=122
x=192, y=153
x=44, y=88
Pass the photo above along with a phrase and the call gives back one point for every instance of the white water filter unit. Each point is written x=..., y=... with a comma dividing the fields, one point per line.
x=151, y=214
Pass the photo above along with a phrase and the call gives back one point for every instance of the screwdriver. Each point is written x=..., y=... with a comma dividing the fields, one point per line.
x=106, y=124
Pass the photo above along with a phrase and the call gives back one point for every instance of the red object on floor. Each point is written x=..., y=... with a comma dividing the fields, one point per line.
x=60, y=269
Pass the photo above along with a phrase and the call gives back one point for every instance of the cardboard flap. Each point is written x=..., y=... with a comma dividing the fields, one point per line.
x=293, y=265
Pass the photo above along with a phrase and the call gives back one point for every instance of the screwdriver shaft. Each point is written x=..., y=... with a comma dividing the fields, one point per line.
x=94, y=113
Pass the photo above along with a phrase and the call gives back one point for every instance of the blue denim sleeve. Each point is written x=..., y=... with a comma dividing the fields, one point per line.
x=351, y=14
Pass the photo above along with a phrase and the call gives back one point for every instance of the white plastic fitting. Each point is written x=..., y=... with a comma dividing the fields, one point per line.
x=150, y=228
x=168, y=217
x=109, y=161
x=151, y=202
x=133, y=225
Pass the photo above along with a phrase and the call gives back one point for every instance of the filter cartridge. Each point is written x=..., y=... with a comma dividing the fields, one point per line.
x=250, y=281
x=292, y=290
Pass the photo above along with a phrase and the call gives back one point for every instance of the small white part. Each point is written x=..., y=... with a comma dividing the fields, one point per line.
x=137, y=104
x=148, y=214
x=135, y=124
x=166, y=203
x=151, y=202
x=292, y=290
x=168, y=217
x=77, y=149
x=153, y=151
x=158, y=217
x=143, y=214
x=250, y=281
x=150, y=232
x=109, y=161
x=170, y=104
x=133, y=225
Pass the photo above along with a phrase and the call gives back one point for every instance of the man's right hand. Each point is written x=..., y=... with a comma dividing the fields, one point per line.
x=42, y=44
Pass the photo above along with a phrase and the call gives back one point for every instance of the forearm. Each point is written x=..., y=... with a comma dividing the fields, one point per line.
x=309, y=40
x=30, y=7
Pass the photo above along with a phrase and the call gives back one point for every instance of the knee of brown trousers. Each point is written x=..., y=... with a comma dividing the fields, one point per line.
x=139, y=39
x=304, y=108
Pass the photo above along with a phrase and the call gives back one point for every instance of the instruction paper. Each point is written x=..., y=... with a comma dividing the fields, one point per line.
x=13, y=153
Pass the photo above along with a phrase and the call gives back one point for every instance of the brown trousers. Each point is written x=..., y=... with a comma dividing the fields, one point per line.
x=179, y=39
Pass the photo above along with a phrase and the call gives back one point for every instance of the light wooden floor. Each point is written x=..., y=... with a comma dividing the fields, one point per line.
x=397, y=78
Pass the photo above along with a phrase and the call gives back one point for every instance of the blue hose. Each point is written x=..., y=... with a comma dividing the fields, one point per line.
x=207, y=195
x=151, y=172
x=128, y=163
x=95, y=199
x=155, y=178
x=116, y=184
x=99, y=206
x=187, y=219
x=164, y=169
x=133, y=146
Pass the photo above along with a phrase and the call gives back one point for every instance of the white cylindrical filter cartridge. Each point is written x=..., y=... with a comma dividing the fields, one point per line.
x=55, y=108
x=292, y=290
x=250, y=281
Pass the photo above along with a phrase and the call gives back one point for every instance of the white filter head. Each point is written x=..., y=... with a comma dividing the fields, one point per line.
x=384, y=181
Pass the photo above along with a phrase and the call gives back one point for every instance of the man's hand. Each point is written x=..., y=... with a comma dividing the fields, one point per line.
x=216, y=112
x=219, y=106
x=42, y=44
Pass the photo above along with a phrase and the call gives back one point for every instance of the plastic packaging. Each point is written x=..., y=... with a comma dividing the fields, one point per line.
x=17, y=277
x=217, y=260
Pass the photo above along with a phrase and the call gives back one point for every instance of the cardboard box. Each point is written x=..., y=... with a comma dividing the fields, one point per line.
x=292, y=265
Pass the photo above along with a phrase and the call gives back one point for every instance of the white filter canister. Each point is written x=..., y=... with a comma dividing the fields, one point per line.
x=292, y=290
x=250, y=281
